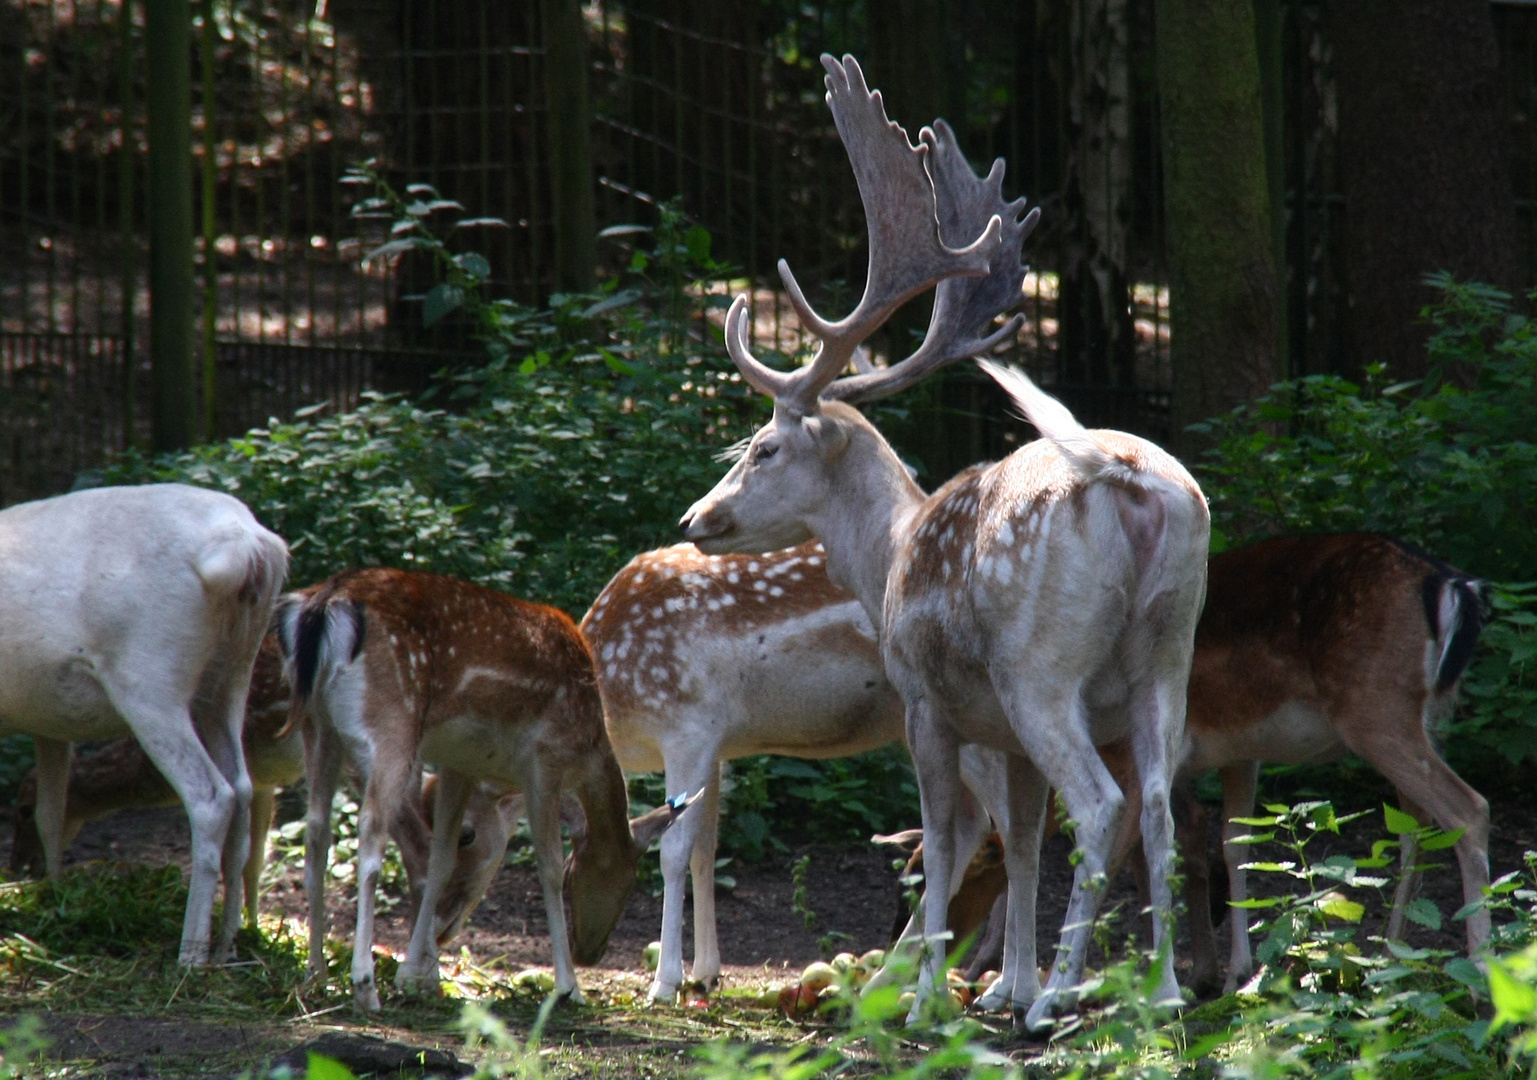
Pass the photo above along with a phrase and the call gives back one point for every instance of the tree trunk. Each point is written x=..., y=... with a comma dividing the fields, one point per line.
x=570, y=129
x=1426, y=187
x=1222, y=274
x=168, y=44
x=1098, y=335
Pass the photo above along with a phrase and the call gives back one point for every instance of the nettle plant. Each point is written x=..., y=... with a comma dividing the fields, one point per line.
x=1324, y=1005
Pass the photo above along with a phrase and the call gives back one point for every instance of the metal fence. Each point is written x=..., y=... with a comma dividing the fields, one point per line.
x=716, y=105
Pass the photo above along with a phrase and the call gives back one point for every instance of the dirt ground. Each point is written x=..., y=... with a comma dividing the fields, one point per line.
x=852, y=891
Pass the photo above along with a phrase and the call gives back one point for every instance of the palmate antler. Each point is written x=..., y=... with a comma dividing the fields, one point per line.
x=917, y=199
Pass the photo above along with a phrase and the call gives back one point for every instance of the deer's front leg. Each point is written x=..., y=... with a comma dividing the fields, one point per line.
x=420, y=971
x=544, y=829
x=54, y=757
x=706, y=943
x=688, y=769
x=936, y=756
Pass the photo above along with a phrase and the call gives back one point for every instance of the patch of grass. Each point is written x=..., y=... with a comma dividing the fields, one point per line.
x=100, y=908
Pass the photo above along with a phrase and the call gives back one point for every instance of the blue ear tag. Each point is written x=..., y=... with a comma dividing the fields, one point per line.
x=678, y=801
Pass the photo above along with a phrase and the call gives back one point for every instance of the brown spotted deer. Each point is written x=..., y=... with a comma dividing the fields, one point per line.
x=706, y=658
x=1314, y=645
x=394, y=668
x=139, y=610
x=120, y=776
x=1039, y=606
x=1310, y=646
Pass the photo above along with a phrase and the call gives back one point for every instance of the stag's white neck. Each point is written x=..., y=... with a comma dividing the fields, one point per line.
x=871, y=509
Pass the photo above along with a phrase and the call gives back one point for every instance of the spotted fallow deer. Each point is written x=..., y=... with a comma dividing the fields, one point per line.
x=1038, y=606
x=706, y=658
x=1310, y=646
x=120, y=776
x=393, y=668
x=139, y=610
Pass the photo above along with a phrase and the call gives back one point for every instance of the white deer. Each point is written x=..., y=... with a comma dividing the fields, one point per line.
x=706, y=658
x=395, y=668
x=140, y=610
x=1039, y=606
x=1310, y=646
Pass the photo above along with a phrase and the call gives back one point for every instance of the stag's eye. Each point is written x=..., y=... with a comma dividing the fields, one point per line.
x=466, y=836
x=765, y=451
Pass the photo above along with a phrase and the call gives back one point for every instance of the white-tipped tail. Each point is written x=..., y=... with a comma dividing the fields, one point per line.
x=1056, y=424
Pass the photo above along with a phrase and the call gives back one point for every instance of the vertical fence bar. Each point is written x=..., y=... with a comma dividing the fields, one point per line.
x=210, y=267
x=168, y=41
x=569, y=128
x=126, y=151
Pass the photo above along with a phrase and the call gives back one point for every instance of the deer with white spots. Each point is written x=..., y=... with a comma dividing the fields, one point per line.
x=706, y=658
x=139, y=610
x=395, y=668
x=1038, y=606
x=121, y=776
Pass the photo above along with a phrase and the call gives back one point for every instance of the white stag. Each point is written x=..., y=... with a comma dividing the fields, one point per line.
x=140, y=610
x=1039, y=606
x=707, y=658
x=1310, y=646
x=394, y=668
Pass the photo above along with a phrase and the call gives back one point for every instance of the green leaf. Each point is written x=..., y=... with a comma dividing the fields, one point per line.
x=320, y=1067
x=476, y=265
x=1514, y=1001
x=1424, y=912
x=1442, y=840
x=441, y=300
x=697, y=240
x=1340, y=908
x=392, y=248
x=1259, y=822
x=1398, y=821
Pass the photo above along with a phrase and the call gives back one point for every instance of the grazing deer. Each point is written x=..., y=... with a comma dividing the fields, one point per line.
x=1310, y=646
x=706, y=658
x=139, y=610
x=1040, y=606
x=120, y=776
x=394, y=668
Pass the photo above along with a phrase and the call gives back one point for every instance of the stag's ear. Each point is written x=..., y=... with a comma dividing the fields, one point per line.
x=831, y=437
x=649, y=827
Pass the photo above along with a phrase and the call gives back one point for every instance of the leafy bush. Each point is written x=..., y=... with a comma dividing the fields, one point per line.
x=1447, y=463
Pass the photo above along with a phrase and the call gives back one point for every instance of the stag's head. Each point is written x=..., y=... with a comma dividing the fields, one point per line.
x=917, y=200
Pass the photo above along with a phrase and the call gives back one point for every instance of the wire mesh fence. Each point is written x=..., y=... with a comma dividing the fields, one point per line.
x=715, y=105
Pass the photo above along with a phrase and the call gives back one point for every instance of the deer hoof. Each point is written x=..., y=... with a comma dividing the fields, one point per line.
x=661, y=993
x=365, y=995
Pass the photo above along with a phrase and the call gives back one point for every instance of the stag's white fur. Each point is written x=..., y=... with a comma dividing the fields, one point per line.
x=140, y=610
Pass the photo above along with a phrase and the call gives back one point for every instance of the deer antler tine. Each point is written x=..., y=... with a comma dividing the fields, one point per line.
x=760, y=377
x=963, y=307
x=907, y=254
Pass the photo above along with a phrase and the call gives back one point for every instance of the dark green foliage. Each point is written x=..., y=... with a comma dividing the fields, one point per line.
x=1447, y=463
